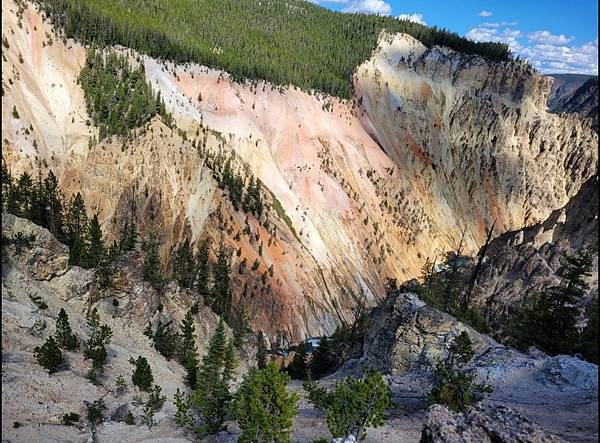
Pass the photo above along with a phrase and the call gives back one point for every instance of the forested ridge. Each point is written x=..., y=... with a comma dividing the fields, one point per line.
x=284, y=42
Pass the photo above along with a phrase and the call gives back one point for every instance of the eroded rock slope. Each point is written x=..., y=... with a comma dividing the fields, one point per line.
x=435, y=144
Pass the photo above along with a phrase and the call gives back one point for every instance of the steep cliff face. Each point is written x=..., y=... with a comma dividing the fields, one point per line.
x=526, y=260
x=439, y=144
x=474, y=136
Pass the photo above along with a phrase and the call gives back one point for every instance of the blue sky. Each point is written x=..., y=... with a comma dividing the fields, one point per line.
x=555, y=36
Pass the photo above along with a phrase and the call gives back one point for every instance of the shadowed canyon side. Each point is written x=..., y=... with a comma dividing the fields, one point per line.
x=435, y=144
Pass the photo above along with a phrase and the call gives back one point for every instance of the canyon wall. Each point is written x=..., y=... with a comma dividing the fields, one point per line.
x=434, y=147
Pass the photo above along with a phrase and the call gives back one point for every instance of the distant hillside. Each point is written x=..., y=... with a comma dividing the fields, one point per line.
x=575, y=93
x=285, y=42
x=565, y=84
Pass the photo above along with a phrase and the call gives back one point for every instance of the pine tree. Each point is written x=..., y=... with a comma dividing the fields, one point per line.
x=95, y=347
x=37, y=211
x=298, y=368
x=263, y=408
x=166, y=340
x=261, y=352
x=453, y=387
x=23, y=195
x=7, y=185
x=54, y=199
x=129, y=234
x=356, y=404
x=324, y=359
x=221, y=290
x=203, y=269
x=183, y=266
x=142, y=374
x=240, y=324
x=64, y=335
x=151, y=267
x=211, y=398
x=189, y=353
x=549, y=318
x=77, y=226
x=95, y=248
x=49, y=355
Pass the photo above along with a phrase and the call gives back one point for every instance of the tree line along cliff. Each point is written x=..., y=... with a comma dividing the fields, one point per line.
x=285, y=42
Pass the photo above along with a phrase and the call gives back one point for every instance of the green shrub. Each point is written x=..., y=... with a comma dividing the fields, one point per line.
x=263, y=408
x=142, y=374
x=49, y=355
x=453, y=387
x=353, y=405
x=70, y=419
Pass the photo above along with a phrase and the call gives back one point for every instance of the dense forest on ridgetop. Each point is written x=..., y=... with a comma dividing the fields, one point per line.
x=284, y=42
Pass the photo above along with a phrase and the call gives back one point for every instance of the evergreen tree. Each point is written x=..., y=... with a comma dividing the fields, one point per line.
x=95, y=347
x=142, y=374
x=189, y=353
x=151, y=267
x=261, y=353
x=353, y=405
x=324, y=358
x=64, y=335
x=166, y=340
x=221, y=290
x=54, y=199
x=49, y=355
x=95, y=249
x=183, y=416
x=263, y=408
x=453, y=387
x=129, y=234
x=6, y=184
x=549, y=318
x=203, y=269
x=298, y=368
x=23, y=193
x=77, y=226
x=37, y=211
x=211, y=398
x=240, y=324
x=183, y=266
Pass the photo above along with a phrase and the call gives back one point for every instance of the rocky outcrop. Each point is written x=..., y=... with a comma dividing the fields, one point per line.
x=407, y=338
x=34, y=248
x=498, y=425
x=407, y=335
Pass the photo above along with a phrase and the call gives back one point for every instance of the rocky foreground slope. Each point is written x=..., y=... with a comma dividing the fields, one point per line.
x=435, y=145
x=535, y=397
x=407, y=338
x=34, y=402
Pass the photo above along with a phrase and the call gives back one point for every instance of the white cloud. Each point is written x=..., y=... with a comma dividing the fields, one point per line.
x=417, y=18
x=485, y=13
x=370, y=6
x=497, y=24
x=547, y=52
x=507, y=35
x=547, y=37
